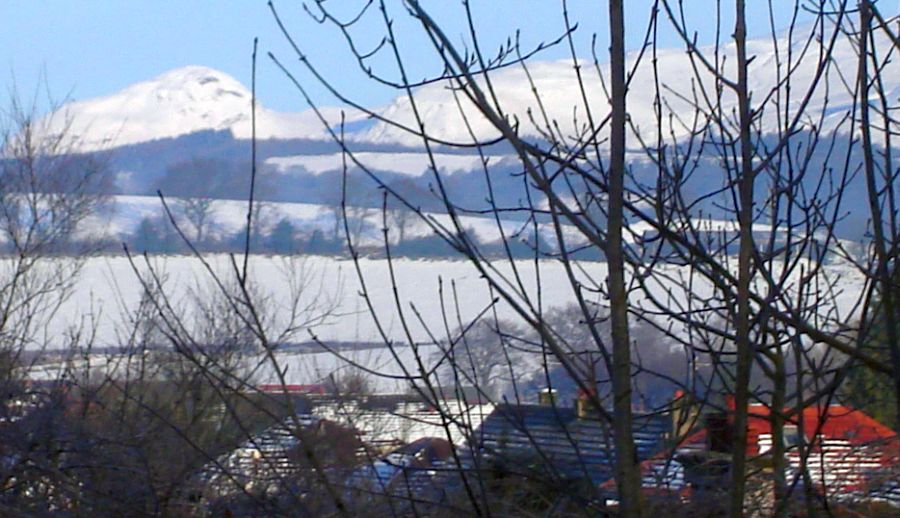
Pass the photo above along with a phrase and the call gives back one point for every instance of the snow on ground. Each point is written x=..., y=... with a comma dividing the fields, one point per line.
x=108, y=289
x=413, y=163
x=226, y=216
x=412, y=421
x=229, y=216
x=123, y=215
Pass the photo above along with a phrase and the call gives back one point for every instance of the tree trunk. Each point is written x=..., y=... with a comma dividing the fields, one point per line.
x=883, y=275
x=627, y=469
x=742, y=320
x=779, y=462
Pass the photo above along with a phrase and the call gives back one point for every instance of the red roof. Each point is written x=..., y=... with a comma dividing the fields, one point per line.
x=827, y=422
x=830, y=422
x=871, y=443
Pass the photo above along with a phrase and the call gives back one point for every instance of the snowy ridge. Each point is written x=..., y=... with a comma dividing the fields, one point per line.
x=178, y=102
x=560, y=97
x=196, y=98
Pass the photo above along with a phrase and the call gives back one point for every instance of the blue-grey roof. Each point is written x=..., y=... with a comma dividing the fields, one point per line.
x=556, y=441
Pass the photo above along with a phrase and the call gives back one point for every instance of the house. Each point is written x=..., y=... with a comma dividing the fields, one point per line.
x=388, y=422
x=415, y=471
x=563, y=443
x=259, y=458
x=381, y=433
x=846, y=454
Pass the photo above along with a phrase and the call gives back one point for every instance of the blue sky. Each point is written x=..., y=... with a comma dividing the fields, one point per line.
x=90, y=48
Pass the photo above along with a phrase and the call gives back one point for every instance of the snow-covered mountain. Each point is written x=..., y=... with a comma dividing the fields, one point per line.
x=178, y=102
x=186, y=128
x=560, y=97
x=196, y=98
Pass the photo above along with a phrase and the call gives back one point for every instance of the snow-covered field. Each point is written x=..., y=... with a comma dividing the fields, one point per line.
x=226, y=217
x=229, y=216
x=413, y=163
x=108, y=286
x=108, y=289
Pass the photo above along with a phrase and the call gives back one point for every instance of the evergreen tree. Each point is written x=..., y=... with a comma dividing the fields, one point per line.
x=319, y=244
x=867, y=390
x=282, y=238
x=146, y=237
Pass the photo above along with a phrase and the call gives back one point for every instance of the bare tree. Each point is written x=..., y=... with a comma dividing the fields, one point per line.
x=716, y=213
x=401, y=220
x=747, y=187
x=47, y=192
x=478, y=357
x=197, y=212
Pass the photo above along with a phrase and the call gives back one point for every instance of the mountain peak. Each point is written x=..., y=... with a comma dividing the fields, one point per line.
x=177, y=102
x=196, y=79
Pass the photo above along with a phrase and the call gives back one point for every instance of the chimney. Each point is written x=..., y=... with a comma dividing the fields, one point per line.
x=584, y=408
x=547, y=397
x=684, y=414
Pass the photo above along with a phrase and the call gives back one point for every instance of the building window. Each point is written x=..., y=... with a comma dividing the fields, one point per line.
x=791, y=436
